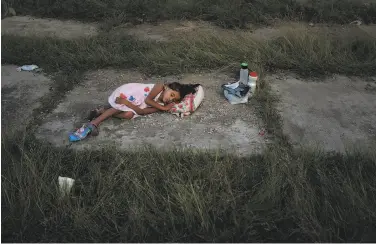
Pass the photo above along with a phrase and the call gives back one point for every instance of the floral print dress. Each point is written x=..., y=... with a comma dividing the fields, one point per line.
x=135, y=93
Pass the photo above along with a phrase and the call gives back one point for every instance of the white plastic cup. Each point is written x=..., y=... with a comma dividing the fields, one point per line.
x=65, y=185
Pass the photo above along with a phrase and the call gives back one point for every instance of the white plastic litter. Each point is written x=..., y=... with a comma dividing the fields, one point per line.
x=356, y=22
x=233, y=85
x=233, y=100
x=28, y=67
x=65, y=185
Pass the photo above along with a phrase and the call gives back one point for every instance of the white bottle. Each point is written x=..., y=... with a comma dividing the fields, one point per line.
x=252, y=81
x=244, y=74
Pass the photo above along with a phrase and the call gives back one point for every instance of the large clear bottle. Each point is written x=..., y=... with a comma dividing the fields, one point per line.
x=244, y=74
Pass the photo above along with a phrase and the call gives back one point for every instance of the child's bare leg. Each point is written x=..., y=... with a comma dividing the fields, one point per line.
x=130, y=115
x=95, y=113
x=124, y=115
x=92, y=127
x=105, y=115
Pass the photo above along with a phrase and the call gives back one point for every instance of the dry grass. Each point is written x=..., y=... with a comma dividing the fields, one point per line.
x=281, y=195
x=300, y=50
x=186, y=196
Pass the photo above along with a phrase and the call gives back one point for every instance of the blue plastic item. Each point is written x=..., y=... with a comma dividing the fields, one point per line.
x=28, y=67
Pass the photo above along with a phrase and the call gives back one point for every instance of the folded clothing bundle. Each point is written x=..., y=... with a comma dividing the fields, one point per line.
x=236, y=92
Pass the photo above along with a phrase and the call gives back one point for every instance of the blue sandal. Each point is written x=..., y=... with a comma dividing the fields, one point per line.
x=83, y=132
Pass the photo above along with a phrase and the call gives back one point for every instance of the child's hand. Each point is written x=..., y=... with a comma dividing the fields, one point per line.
x=168, y=107
x=120, y=100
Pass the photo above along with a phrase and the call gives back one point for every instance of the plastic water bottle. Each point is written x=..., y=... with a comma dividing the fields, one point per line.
x=244, y=74
x=252, y=81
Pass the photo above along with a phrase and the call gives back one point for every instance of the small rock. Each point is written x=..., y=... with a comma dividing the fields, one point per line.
x=311, y=24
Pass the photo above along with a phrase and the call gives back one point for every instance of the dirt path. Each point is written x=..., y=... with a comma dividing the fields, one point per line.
x=173, y=30
x=165, y=31
x=31, y=26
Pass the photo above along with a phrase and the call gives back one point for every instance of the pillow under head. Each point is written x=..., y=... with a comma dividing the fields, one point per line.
x=189, y=103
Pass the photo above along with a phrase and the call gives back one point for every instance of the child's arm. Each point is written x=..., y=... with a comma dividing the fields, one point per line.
x=137, y=109
x=146, y=111
x=158, y=88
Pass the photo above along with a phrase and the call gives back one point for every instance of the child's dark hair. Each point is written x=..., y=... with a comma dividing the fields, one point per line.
x=183, y=89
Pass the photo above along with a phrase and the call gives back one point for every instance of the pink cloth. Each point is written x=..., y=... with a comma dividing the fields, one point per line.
x=135, y=93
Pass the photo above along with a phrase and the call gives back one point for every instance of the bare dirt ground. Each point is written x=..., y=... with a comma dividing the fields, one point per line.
x=215, y=125
x=172, y=30
x=31, y=26
x=337, y=113
x=20, y=92
x=165, y=31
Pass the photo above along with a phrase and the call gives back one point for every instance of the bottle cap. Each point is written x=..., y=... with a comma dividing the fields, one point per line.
x=253, y=74
x=244, y=65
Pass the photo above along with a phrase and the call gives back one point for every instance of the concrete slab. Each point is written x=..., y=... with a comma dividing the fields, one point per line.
x=20, y=92
x=216, y=124
x=32, y=26
x=334, y=114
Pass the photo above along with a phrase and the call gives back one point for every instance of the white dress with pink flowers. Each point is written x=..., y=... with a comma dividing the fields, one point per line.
x=135, y=93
